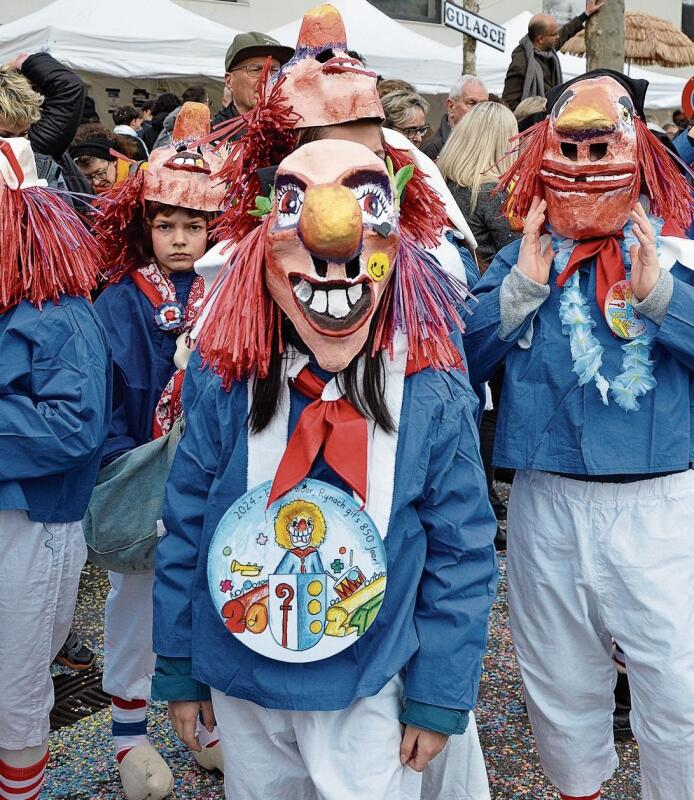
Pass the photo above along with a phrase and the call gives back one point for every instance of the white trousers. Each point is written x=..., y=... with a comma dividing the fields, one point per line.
x=458, y=772
x=40, y=566
x=350, y=754
x=128, y=655
x=588, y=562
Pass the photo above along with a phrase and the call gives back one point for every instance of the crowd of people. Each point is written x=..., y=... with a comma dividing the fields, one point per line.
x=265, y=363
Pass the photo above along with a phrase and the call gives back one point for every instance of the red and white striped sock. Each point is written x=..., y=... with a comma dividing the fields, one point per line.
x=595, y=796
x=129, y=725
x=205, y=737
x=22, y=783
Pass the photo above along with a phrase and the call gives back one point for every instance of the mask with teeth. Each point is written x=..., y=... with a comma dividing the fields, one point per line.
x=322, y=82
x=300, y=530
x=181, y=174
x=590, y=170
x=332, y=241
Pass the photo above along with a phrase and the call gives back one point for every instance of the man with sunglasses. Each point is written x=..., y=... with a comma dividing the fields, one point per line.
x=244, y=63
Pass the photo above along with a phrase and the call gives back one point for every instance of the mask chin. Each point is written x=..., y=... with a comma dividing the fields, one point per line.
x=590, y=216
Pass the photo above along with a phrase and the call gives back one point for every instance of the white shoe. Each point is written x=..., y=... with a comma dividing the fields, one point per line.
x=145, y=775
x=210, y=758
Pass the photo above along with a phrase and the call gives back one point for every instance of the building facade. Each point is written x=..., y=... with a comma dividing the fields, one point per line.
x=424, y=16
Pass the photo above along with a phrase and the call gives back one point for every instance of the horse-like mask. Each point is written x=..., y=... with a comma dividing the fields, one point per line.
x=322, y=82
x=182, y=173
x=590, y=171
x=332, y=244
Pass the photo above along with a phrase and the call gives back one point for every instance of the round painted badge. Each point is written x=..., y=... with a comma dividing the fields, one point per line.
x=620, y=314
x=169, y=316
x=302, y=580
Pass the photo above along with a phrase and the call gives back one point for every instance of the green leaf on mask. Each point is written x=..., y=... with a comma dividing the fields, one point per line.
x=399, y=179
x=402, y=178
x=263, y=205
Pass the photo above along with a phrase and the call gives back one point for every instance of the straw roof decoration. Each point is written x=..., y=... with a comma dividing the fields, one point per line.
x=648, y=40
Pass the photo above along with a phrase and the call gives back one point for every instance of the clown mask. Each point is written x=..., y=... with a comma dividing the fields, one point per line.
x=331, y=246
x=323, y=83
x=183, y=173
x=589, y=169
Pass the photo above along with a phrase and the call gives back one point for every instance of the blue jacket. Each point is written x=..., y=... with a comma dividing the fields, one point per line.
x=55, y=403
x=546, y=421
x=685, y=147
x=142, y=359
x=440, y=555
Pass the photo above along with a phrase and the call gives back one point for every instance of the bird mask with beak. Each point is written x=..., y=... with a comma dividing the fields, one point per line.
x=332, y=257
x=332, y=241
x=592, y=158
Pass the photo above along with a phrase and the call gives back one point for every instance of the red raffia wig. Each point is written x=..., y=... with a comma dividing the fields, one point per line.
x=661, y=180
x=260, y=138
x=46, y=249
x=423, y=214
x=119, y=224
x=268, y=137
x=237, y=337
x=422, y=300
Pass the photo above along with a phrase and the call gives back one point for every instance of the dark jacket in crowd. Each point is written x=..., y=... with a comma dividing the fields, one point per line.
x=488, y=223
x=434, y=144
x=149, y=137
x=61, y=114
x=224, y=114
x=515, y=75
x=164, y=137
x=48, y=169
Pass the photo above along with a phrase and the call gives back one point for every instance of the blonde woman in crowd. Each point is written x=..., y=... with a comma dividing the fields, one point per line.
x=471, y=162
x=406, y=112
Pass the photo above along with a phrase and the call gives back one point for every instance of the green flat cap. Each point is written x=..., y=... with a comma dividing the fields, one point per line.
x=247, y=45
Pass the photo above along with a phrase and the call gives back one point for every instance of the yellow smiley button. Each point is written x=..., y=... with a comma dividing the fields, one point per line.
x=378, y=265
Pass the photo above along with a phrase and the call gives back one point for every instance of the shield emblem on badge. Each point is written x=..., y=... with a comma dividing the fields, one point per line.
x=296, y=606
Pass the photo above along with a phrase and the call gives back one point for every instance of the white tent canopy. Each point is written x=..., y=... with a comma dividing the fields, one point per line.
x=390, y=49
x=142, y=45
x=133, y=39
x=164, y=44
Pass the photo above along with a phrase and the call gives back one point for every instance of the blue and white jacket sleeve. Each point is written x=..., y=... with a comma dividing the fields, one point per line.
x=671, y=306
x=508, y=302
x=58, y=420
x=458, y=582
x=192, y=473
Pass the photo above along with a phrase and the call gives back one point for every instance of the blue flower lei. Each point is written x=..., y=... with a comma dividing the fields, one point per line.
x=636, y=377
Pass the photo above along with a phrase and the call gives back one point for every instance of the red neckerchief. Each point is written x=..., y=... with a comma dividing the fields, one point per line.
x=170, y=405
x=609, y=264
x=161, y=293
x=334, y=425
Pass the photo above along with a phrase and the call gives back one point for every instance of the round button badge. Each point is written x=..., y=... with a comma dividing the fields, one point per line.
x=299, y=581
x=620, y=314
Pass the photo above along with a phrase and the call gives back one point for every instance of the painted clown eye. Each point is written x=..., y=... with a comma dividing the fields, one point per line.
x=562, y=102
x=375, y=203
x=290, y=199
x=626, y=109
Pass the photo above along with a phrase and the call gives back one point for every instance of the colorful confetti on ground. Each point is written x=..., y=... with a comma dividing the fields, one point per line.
x=82, y=765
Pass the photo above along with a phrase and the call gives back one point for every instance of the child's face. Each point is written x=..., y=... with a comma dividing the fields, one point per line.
x=178, y=240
